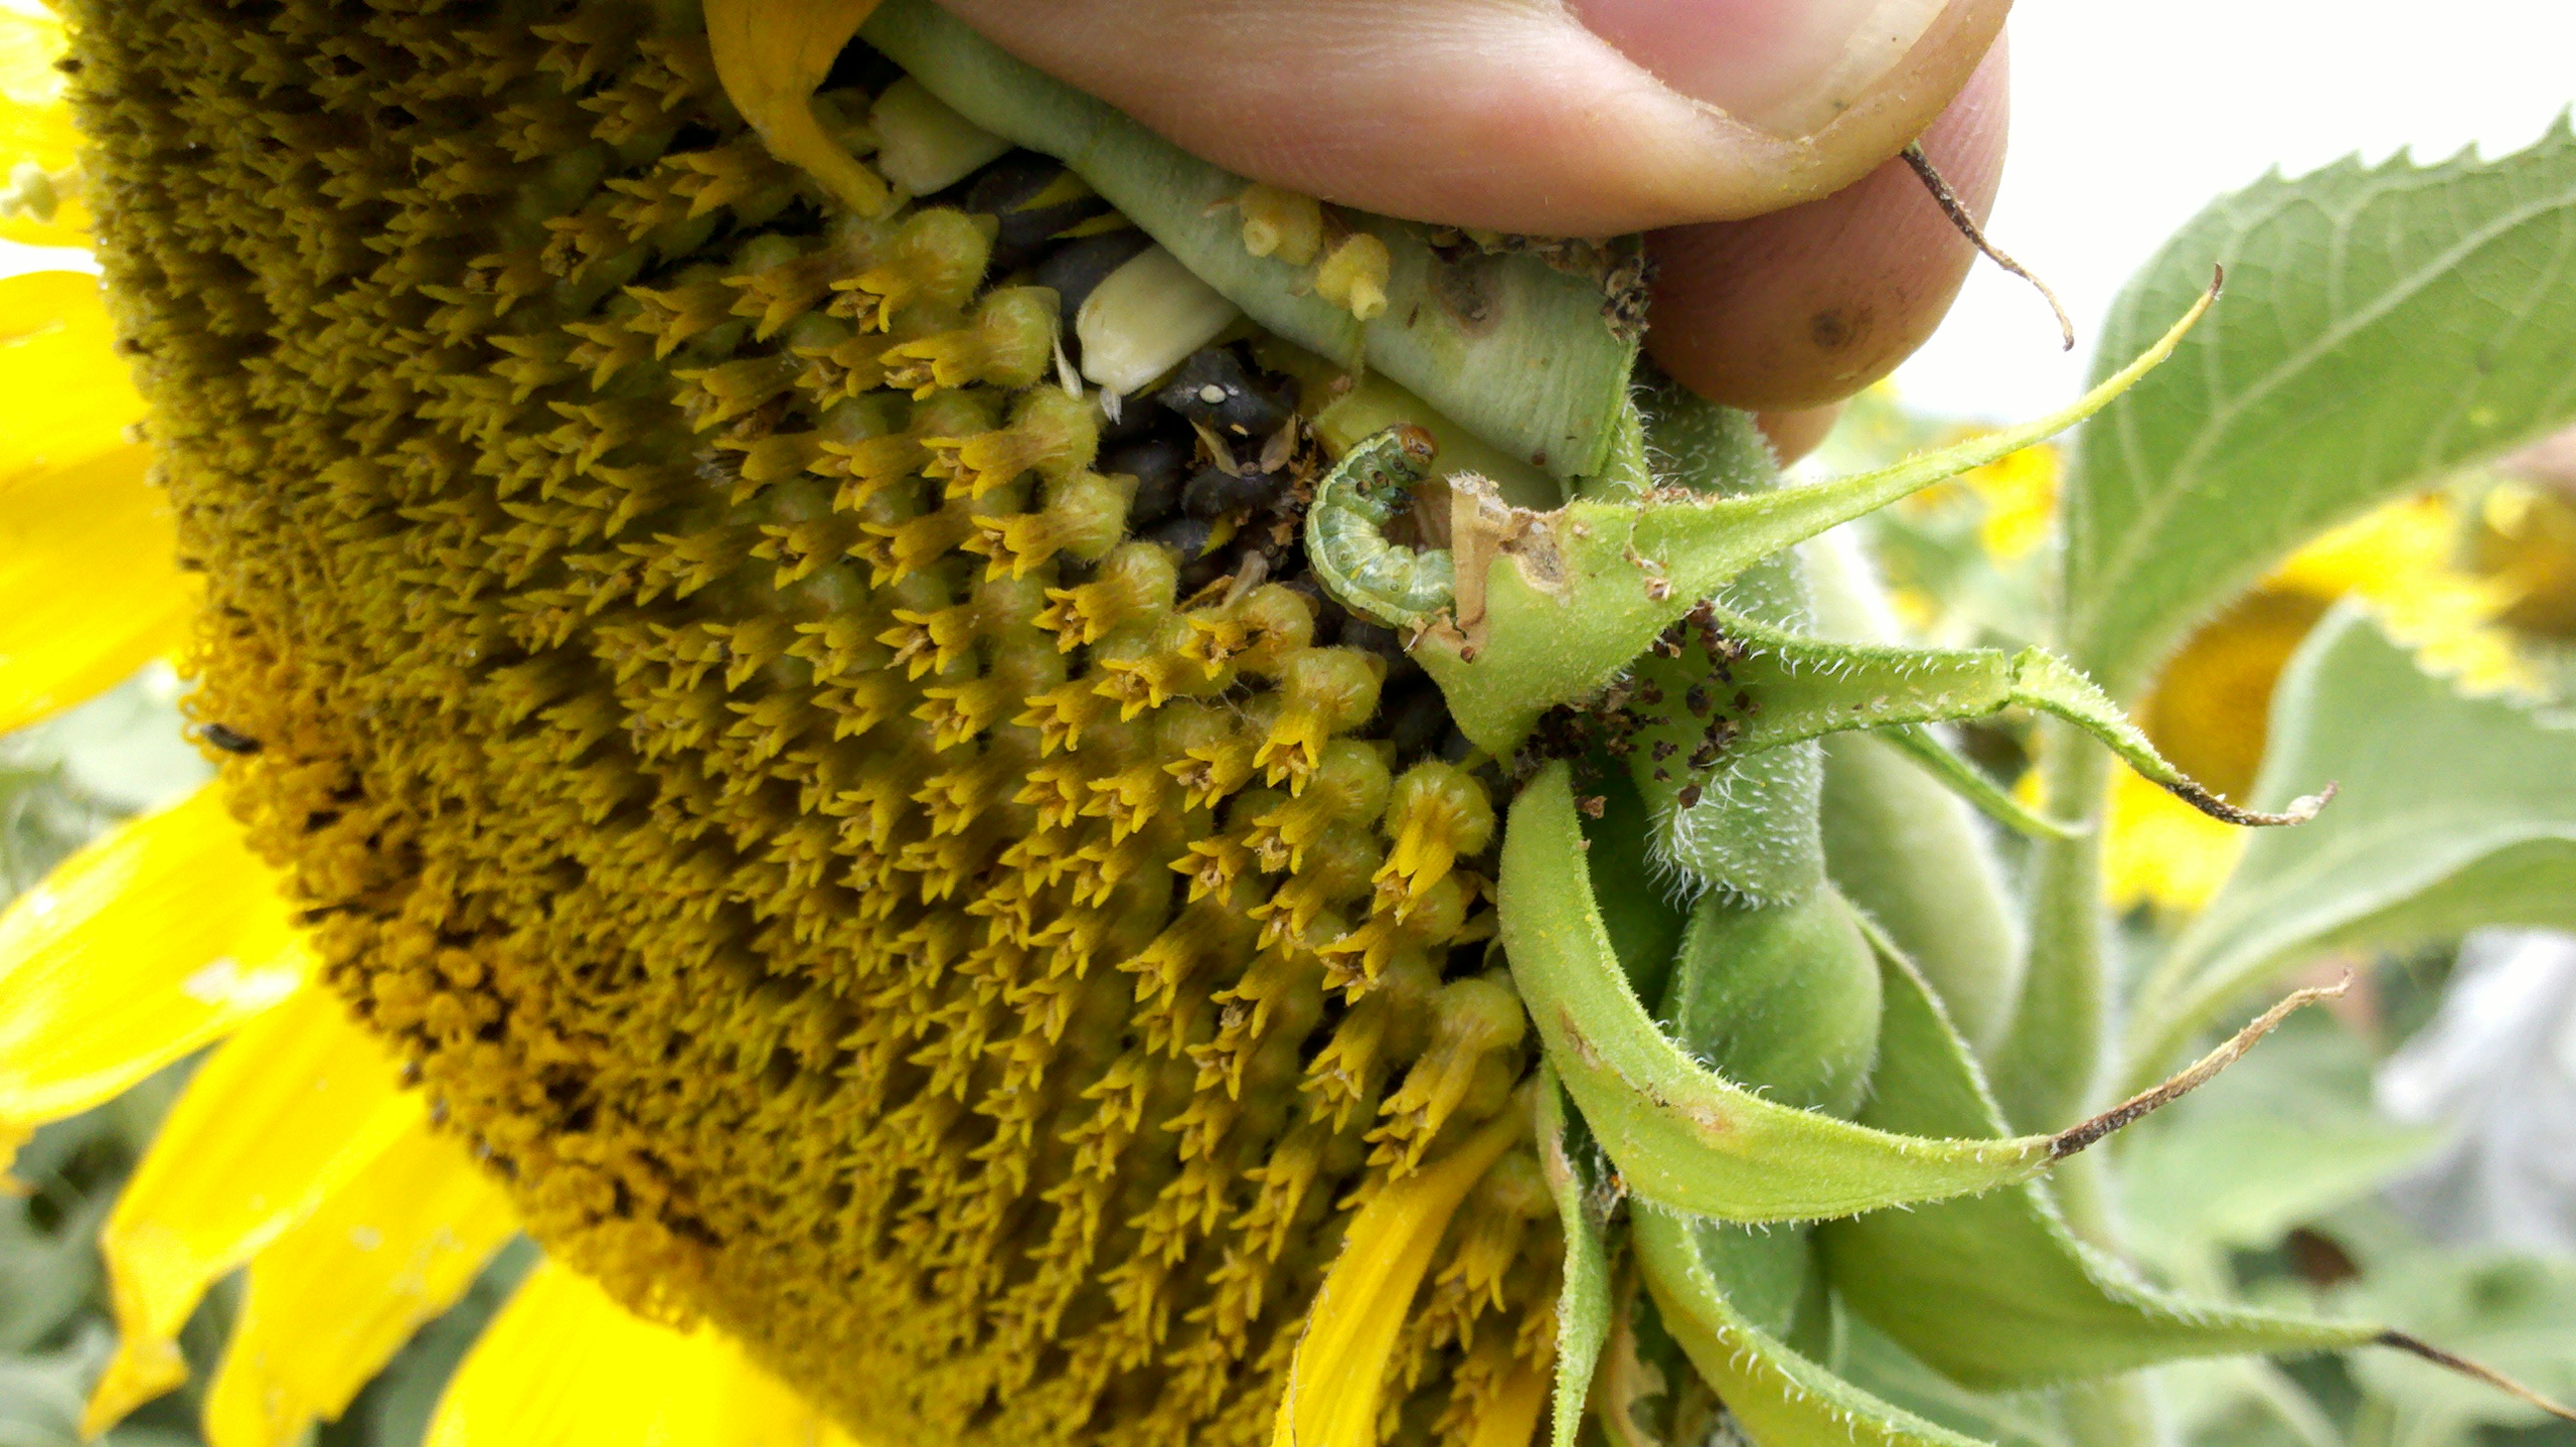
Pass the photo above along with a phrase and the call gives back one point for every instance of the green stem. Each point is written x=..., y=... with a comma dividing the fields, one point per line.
x=1520, y=353
x=2053, y=1053
x=2123, y=1411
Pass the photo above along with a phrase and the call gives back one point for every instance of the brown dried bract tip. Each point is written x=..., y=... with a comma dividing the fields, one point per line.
x=2301, y=810
x=1952, y=207
x=2418, y=1347
x=2199, y=1073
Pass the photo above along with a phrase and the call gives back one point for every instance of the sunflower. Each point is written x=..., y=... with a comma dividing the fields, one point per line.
x=2525, y=537
x=2211, y=707
x=883, y=744
x=736, y=761
x=2466, y=577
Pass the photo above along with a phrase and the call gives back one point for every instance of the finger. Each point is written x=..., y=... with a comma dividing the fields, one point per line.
x=1795, y=434
x=1809, y=305
x=1517, y=116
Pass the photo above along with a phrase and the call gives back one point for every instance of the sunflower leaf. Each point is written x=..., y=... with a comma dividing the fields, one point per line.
x=2454, y=812
x=2382, y=327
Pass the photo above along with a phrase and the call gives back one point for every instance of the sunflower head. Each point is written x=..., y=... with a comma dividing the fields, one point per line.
x=872, y=841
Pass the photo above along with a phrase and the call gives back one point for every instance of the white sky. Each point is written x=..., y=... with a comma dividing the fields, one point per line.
x=2128, y=115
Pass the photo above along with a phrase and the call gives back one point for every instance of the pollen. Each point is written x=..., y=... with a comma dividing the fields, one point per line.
x=854, y=855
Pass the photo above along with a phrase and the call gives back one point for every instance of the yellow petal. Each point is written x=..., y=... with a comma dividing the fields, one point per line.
x=2158, y=850
x=1341, y=1361
x=35, y=124
x=279, y=1119
x=565, y=1366
x=331, y=1302
x=2403, y=558
x=2020, y=494
x=30, y=43
x=88, y=589
x=148, y=944
x=771, y=54
x=65, y=395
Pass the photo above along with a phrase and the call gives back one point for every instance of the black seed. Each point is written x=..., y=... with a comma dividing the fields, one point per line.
x=1077, y=266
x=861, y=66
x=1214, y=389
x=1034, y=198
x=1697, y=700
x=1416, y=719
x=1188, y=537
x=1135, y=421
x=1688, y=798
x=1158, y=464
x=1212, y=493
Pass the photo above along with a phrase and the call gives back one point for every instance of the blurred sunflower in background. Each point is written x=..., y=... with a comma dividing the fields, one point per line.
x=2477, y=577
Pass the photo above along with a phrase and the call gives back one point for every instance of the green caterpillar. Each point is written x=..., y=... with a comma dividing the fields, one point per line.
x=1346, y=538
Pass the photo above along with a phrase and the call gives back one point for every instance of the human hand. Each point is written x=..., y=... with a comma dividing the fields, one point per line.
x=1753, y=140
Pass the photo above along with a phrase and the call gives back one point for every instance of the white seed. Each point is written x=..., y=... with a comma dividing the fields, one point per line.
x=1144, y=318
x=922, y=145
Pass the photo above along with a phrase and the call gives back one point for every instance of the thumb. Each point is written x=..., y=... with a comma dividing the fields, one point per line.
x=1561, y=117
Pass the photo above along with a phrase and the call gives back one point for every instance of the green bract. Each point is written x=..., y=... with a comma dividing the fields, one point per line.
x=1783, y=1102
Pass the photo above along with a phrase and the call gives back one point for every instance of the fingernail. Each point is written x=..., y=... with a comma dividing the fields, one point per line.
x=1787, y=66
